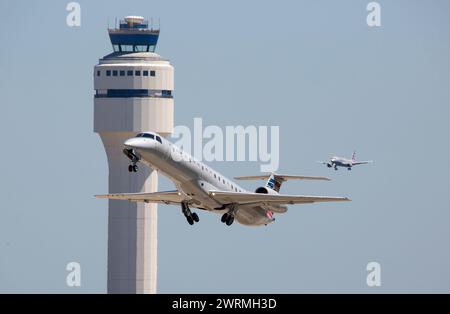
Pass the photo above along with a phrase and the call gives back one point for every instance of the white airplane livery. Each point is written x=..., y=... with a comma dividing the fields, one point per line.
x=336, y=162
x=199, y=186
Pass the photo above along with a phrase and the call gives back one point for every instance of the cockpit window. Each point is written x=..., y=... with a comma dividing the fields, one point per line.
x=147, y=135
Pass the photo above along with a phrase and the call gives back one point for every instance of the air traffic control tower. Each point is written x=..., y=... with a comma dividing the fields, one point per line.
x=133, y=93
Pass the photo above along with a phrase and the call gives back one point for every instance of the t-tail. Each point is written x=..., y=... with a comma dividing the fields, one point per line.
x=354, y=156
x=274, y=182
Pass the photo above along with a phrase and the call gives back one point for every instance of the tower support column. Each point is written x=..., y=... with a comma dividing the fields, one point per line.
x=132, y=227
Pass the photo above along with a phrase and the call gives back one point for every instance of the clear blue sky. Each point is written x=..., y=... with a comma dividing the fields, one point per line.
x=314, y=68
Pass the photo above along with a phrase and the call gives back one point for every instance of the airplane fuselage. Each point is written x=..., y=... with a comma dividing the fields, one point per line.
x=194, y=179
x=341, y=162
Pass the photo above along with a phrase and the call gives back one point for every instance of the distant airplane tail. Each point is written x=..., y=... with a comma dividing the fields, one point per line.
x=354, y=155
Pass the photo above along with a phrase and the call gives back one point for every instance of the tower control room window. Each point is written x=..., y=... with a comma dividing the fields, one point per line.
x=98, y=73
x=145, y=73
x=126, y=48
x=114, y=72
x=130, y=73
x=152, y=73
x=141, y=48
x=137, y=73
x=133, y=48
x=108, y=73
x=122, y=73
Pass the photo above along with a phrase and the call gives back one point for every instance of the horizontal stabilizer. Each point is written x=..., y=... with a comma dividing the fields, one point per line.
x=282, y=177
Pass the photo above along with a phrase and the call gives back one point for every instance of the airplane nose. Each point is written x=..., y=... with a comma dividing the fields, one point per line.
x=138, y=143
x=132, y=143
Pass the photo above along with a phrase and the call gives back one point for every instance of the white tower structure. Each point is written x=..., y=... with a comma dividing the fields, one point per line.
x=133, y=93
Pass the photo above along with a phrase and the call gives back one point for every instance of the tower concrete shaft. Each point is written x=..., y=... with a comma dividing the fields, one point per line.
x=133, y=94
x=132, y=227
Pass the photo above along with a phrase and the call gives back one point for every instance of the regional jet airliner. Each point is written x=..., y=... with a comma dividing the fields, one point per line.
x=199, y=186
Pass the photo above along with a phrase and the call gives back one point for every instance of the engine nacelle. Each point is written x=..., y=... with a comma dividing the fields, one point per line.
x=265, y=190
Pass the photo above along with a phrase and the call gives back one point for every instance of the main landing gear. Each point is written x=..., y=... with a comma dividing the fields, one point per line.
x=190, y=216
x=228, y=218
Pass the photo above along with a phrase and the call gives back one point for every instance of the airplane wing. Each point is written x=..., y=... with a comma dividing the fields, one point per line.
x=273, y=200
x=361, y=162
x=167, y=197
x=283, y=177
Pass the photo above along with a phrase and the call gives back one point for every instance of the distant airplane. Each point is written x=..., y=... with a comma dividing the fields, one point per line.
x=344, y=162
x=201, y=187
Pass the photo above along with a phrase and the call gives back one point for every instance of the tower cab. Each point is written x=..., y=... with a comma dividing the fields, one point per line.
x=134, y=35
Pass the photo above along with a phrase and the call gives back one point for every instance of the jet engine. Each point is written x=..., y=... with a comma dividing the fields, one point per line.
x=265, y=190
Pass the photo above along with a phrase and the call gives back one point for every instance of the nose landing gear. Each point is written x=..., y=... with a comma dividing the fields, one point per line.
x=132, y=168
x=134, y=158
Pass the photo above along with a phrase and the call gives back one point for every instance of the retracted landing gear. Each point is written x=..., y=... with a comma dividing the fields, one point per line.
x=190, y=216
